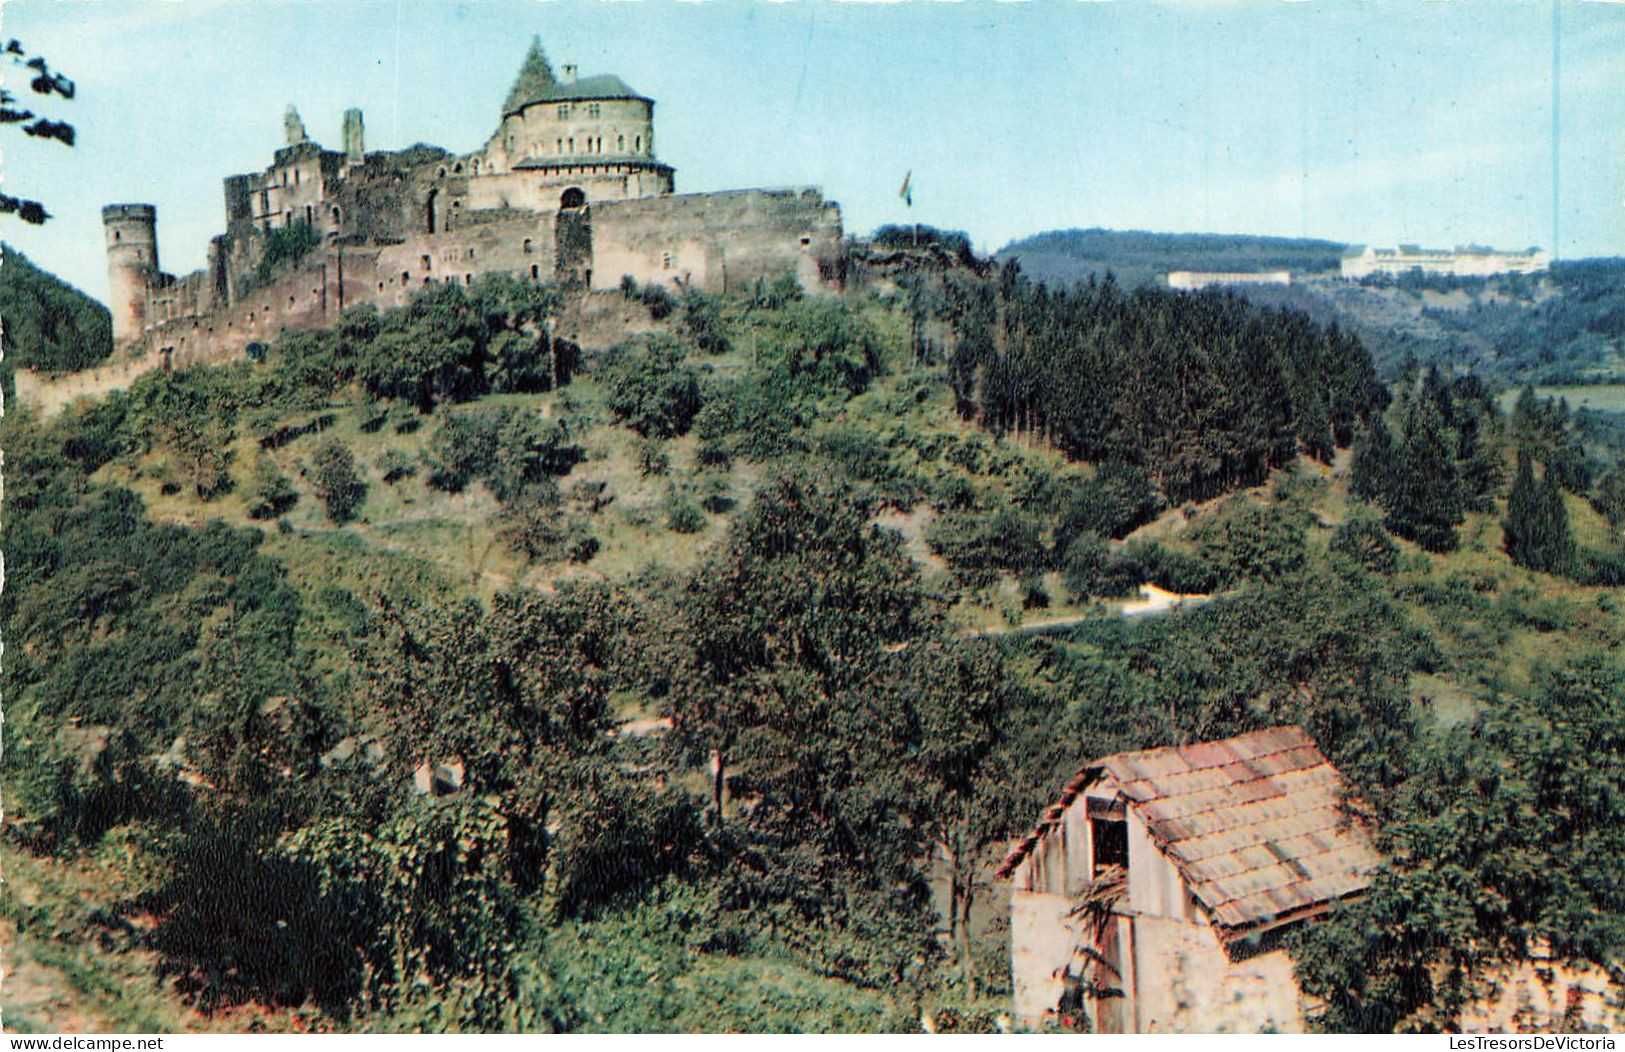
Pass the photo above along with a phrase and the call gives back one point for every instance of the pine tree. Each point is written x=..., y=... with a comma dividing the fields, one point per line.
x=1609, y=500
x=1522, y=527
x=1558, y=555
x=1426, y=502
x=1374, y=458
x=1536, y=529
x=534, y=75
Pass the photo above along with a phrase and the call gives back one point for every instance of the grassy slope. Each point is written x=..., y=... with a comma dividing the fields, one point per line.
x=1494, y=622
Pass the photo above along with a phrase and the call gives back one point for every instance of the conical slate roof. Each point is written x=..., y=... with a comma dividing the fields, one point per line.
x=535, y=78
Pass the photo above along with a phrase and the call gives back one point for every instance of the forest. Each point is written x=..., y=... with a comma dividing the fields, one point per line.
x=430, y=673
x=49, y=325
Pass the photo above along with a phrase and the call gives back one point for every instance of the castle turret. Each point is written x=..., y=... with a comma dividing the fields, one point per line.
x=132, y=265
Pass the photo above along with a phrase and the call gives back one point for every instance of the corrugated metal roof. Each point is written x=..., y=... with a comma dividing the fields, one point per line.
x=1254, y=823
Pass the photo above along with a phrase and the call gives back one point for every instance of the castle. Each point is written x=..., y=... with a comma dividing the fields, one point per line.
x=567, y=191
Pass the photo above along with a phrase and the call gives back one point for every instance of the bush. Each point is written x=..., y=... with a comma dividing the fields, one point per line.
x=652, y=389
x=336, y=481
x=979, y=542
x=702, y=322
x=1117, y=501
x=682, y=514
x=395, y=465
x=1083, y=565
x=532, y=521
x=651, y=457
x=269, y=492
x=464, y=449
x=1250, y=542
x=1363, y=540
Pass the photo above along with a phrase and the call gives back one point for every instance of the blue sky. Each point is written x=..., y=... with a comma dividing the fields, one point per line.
x=1358, y=120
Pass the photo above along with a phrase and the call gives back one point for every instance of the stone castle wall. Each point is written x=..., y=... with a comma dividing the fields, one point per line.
x=713, y=242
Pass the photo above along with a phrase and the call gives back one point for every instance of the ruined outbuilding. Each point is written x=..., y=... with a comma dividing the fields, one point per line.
x=1153, y=893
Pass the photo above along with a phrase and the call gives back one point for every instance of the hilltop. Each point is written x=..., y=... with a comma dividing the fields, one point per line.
x=1140, y=257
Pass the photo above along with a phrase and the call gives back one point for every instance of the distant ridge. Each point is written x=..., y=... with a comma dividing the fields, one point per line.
x=1139, y=257
x=49, y=324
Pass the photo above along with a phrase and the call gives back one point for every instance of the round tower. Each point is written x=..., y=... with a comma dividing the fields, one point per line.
x=132, y=265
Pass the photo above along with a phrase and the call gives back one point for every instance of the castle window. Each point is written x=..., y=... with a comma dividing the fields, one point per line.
x=380, y=286
x=665, y=261
x=440, y=173
x=427, y=262
x=470, y=253
x=476, y=168
x=468, y=279
x=528, y=247
x=119, y=237
x=592, y=109
x=457, y=168
x=620, y=144
x=564, y=111
x=558, y=145
x=637, y=144
x=296, y=177
x=535, y=272
x=335, y=214
x=310, y=215
x=406, y=276
x=570, y=144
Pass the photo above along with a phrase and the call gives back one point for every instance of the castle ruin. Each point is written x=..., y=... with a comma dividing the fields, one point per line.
x=567, y=191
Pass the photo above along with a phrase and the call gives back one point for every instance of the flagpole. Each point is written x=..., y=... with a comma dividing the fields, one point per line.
x=906, y=192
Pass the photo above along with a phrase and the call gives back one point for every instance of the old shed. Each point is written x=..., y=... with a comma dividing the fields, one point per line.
x=1152, y=894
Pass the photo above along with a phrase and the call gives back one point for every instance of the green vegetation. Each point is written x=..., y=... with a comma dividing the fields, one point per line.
x=388, y=765
x=1203, y=394
x=49, y=325
x=284, y=247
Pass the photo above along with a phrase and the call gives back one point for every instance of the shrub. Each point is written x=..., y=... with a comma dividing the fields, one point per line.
x=702, y=322
x=395, y=465
x=652, y=388
x=682, y=514
x=463, y=449
x=1118, y=500
x=651, y=457
x=269, y=492
x=1363, y=540
x=979, y=542
x=336, y=481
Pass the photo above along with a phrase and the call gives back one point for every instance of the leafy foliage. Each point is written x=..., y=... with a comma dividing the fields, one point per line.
x=49, y=325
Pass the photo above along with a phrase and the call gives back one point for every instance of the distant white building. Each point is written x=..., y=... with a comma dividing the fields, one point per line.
x=1190, y=280
x=1465, y=261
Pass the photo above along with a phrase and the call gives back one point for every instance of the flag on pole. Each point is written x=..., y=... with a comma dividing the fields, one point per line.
x=906, y=192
